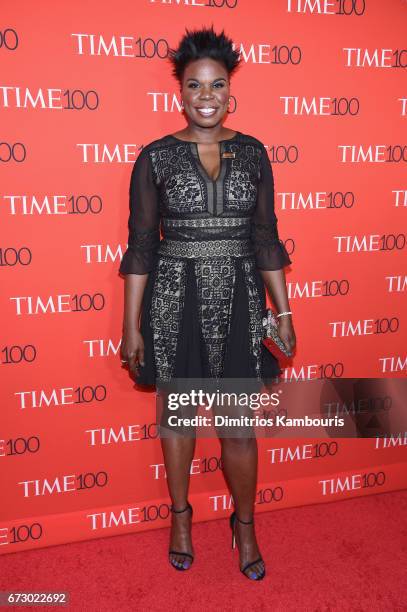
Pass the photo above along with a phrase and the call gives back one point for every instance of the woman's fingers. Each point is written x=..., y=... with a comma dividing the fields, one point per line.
x=124, y=359
x=287, y=334
x=133, y=360
x=288, y=338
x=132, y=353
x=141, y=356
x=136, y=360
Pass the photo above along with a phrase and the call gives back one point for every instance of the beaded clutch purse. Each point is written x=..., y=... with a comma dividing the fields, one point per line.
x=272, y=340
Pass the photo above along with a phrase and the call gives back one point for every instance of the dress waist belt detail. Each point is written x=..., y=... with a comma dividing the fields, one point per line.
x=207, y=248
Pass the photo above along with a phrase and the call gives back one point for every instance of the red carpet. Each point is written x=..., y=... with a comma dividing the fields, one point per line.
x=347, y=555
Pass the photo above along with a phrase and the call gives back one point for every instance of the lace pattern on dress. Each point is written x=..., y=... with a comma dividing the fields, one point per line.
x=208, y=222
x=167, y=305
x=255, y=314
x=215, y=287
x=206, y=248
x=241, y=181
x=183, y=188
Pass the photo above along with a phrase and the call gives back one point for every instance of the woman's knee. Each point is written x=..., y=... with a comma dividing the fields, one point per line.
x=238, y=444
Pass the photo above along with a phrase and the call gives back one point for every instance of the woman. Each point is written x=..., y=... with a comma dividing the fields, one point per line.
x=200, y=291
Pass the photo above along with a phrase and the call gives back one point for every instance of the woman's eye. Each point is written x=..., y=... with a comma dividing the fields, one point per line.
x=216, y=85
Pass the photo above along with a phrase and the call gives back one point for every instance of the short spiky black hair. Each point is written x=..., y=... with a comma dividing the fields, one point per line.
x=197, y=44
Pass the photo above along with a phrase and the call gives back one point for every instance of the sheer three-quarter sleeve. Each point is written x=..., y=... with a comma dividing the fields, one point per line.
x=270, y=251
x=144, y=219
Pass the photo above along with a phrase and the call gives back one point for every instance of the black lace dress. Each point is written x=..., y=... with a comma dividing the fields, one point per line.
x=204, y=299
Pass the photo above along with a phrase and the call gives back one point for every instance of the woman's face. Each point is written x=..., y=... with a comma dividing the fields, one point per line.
x=205, y=92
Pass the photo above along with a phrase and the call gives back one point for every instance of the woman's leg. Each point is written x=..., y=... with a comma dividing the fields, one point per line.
x=239, y=460
x=178, y=453
x=178, y=446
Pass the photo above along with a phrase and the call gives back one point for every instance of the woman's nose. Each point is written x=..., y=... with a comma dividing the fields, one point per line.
x=206, y=92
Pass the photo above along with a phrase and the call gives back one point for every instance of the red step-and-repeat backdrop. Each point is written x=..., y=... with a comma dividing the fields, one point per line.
x=83, y=86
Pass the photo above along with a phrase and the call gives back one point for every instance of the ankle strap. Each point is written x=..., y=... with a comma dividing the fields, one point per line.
x=187, y=507
x=244, y=522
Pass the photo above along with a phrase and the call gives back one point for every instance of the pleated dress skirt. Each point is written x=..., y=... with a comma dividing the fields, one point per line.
x=202, y=318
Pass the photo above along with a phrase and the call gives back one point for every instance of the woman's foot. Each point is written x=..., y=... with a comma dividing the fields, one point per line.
x=250, y=560
x=181, y=552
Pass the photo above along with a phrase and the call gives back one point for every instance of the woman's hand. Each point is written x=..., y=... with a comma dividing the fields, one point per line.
x=277, y=289
x=132, y=350
x=286, y=332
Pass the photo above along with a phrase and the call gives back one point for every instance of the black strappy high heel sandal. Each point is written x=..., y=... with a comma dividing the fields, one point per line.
x=178, y=565
x=254, y=575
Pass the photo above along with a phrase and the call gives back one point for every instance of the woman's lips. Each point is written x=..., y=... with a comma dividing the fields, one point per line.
x=207, y=111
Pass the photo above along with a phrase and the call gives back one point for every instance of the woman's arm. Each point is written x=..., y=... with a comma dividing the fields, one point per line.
x=132, y=346
x=138, y=260
x=270, y=252
x=134, y=285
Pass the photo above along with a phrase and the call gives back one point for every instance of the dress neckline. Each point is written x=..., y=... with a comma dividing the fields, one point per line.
x=197, y=143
